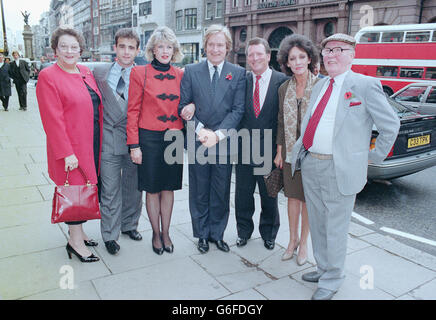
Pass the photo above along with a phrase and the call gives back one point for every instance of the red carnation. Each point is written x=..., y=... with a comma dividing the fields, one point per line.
x=348, y=95
x=229, y=76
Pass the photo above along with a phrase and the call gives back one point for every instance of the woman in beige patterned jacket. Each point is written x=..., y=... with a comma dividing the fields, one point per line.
x=297, y=57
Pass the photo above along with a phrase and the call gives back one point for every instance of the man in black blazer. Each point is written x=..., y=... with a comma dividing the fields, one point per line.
x=19, y=71
x=261, y=110
x=5, y=83
x=217, y=88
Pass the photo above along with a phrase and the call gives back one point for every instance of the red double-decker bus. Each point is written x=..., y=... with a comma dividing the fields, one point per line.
x=397, y=54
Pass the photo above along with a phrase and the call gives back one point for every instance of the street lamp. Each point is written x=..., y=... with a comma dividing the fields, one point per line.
x=5, y=42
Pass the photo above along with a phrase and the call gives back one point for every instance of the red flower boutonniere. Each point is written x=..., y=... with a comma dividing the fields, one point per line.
x=229, y=76
x=348, y=95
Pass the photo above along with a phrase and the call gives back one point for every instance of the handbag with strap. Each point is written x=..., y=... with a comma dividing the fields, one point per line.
x=75, y=203
x=274, y=182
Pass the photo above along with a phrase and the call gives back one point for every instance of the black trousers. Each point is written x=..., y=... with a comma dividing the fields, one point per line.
x=244, y=205
x=5, y=101
x=209, y=199
x=22, y=94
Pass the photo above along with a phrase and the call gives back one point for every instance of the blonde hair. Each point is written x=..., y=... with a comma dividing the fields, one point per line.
x=214, y=29
x=163, y=34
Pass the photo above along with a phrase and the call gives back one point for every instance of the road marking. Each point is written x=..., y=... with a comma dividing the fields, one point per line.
x=409, y=236
x=361, y=219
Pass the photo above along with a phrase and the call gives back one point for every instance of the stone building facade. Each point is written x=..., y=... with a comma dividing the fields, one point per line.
x=316, y=19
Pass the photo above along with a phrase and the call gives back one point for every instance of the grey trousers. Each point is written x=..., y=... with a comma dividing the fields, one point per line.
x=121, y=202
x=329, y=219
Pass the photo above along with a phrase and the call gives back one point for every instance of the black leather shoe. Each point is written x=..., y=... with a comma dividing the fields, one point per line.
x=90, y=243
x=311, y=276
x=221, y=245
x=91, y=258
x=112, y=246
x=203, y=245
x=133, y=234
x=241, y=242
x=269, y=244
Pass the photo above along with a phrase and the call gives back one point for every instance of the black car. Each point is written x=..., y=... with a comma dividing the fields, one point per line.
x=415, y=147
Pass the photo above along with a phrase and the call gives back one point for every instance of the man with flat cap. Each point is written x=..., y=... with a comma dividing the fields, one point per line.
x=333, y=154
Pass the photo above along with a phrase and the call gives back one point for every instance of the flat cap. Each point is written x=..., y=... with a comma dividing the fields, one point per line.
x=339, y=37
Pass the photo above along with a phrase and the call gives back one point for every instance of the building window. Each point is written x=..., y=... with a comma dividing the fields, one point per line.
x=179, y=20
x=219, y=9
x=329, y=29
x=135, y=20
x=135, y=2
x=209, y=11
x=234, y=3
x=243, y=35
x=191, y=19
x=190, y=50
x=145, y=8
x=247, y=2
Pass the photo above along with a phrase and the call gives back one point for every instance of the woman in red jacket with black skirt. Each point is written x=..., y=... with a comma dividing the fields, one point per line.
x=154, y=94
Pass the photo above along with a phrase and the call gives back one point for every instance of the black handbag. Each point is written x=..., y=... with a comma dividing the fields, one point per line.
x=274, y=182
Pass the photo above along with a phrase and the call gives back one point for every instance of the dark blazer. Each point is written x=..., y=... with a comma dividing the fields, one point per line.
x=5, y=81
x=267, y=118
x=19, y=74
x=226, y=110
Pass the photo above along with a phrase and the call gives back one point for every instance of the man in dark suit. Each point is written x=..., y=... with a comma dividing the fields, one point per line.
x=5, y=82
x=261, y=109
x=20, y=72
x=217, y=88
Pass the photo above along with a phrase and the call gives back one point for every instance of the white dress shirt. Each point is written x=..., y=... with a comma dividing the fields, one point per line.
x=263, y=85
x=211, y=73
x=323, y=138
x=17, y=62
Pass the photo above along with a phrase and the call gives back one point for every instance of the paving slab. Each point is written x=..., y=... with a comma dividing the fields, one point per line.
x=390, y=244
x=389, y=271
x=13, y=170
x=357, y=230
x=425, y=292
x=24, y=214
x=241, y=281
x=21, y=181
x=218, y=263
x=285, y=289
x=181, y=279
x=82, y=291
x=18, y=196
x=254, y=251
x=250, y=294
x=30, y=238
x=30, y=274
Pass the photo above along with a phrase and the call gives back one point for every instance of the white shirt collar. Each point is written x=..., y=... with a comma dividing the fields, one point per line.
x=264, y=76
x=339, y=80
x=211, y=68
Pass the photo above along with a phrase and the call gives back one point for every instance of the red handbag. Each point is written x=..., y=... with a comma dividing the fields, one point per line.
x=75, y=203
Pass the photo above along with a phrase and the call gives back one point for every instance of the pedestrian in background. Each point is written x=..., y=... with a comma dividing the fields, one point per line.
x=19, y=71
x=5, y=82
x=72, y=114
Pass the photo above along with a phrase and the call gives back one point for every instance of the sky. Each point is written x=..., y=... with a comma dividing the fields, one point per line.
x=13, y=8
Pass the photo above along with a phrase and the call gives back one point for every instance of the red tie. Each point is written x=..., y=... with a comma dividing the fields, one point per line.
x=314, y=120
x=256, y=100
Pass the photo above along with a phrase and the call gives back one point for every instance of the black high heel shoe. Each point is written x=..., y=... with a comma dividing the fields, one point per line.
x=169, y=249
x=88, y=243
x=158, y=251
x=91, y=258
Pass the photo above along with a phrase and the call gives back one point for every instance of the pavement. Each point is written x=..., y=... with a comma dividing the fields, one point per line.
x=34, y=262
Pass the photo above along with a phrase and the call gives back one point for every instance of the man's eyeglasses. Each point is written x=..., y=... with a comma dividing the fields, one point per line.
x=335, y=51
x=73, y=49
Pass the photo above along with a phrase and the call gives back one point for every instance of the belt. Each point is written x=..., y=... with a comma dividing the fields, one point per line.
x=321, y=156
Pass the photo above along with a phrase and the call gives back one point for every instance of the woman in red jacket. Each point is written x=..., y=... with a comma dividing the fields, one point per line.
x=151, y=113
x=71, y=113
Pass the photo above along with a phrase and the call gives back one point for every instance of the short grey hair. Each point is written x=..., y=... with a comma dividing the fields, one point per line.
x=217, y=28
x=163, y=34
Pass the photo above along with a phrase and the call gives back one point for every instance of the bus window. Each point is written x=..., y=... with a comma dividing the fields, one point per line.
x=386, y=71
x=431, y=98
x=434, y=36
x=392, y=36
x=430, y=73
x=418, y=36
x=370, y=37
x=411, y=94
x=411, y=72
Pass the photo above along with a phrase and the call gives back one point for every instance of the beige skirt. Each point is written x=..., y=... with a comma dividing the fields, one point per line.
x=293, y=185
